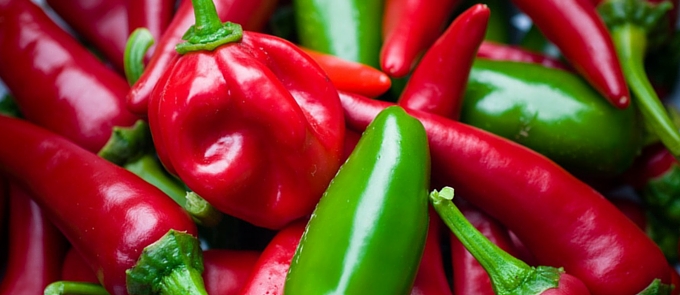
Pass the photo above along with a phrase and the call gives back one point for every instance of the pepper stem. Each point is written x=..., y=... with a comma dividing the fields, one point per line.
x=209, y=32
x=148, y=167
x=126, y=144
x=657, y=288
x=74, y=288
x=508, y=274
x=136, y=47
x=201, y=211
x=172, y=265
x=631, y=42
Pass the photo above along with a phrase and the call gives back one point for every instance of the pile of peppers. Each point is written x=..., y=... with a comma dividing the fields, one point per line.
x=254, y=147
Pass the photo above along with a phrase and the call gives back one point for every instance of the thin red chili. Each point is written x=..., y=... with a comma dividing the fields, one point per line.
x=438, y=82
x=102, y=23
x=563, y=221
x=251, y=14
x=496, y=51
x=431, y=277
x=75, y=268
x=76, y=188
x=409, y=28
x=36, y=247
x=154, y=15
x=55, y=81
x=582, y=37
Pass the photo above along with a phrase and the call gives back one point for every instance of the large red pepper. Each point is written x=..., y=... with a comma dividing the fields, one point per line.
x=36, y=248
x=226, y=271
x=254, y=126
x=438, y=82
x=55, y=81
x=103, y=23
x=563, y=221
x=251, y=14
x=582, y=37
x=497, y=51
x=409, y=28
x=76, y=188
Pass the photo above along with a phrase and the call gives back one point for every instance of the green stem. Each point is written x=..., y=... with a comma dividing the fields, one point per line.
x=201, y=211
x=9, y=107
x=631, y=42
x=127, y=143
x=172, y=266
x=148, y=167
x=508, y=274
x=657, y=288
x=135, y=49
x=74, y=288
x=209, y=32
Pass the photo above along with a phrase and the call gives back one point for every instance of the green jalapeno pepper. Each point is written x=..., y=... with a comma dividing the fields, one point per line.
x=350, y=29
x=367, y=234
x=555, y=113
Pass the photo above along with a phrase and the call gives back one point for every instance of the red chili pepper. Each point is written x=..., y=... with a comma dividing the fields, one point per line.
x=270, y=270
x=469, y=277
x=351, y=76
x=76, y=269
x=154, y=15
x=497, y=51
x=438, y=82
x=226, y=271
x=409, y=28
x=431, y=278
x=104, y=23
x=56, y=82
x=251, y=14
x=76, y=188
x=563, y=221
x=36, y=248
x=276, y=126
x=582, y=37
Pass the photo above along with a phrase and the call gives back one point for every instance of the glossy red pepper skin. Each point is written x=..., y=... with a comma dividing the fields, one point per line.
x=438, y=82
x=431, y=278
x=270, y=270
x=36, y=248
x=251, y=14
x=409, y=28
x=585, y=234
x=154, y=15
x=277, y=134
x=582, y=37
x=78, y=96
x=75, y=188
x=75, y=268
x=469, y=277
x=103, y=23
x=496, y=51
x=226, y=271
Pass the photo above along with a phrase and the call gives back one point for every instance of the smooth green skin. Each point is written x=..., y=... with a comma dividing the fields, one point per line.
x=350, y=29
x=555, y=113
x=367, y=234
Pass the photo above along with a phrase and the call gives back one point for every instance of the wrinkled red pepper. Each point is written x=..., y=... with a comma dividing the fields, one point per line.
x=102, y=23
x=226, y=271
x=251, y=14
x=75, y=188
x=78, y=96
x=409, y=28
x=582, y=37
x=276, y=126
x=497, y=51
x=351, y=76
x=36, y=248
x=438, y=82
x=564, y=222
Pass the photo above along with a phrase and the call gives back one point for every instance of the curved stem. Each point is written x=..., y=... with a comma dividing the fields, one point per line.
x=631, y=42
x=135, y=49
x=209, y=32
x=201, y=211
x=74, y=288
x=207, y=20
x=147, y=167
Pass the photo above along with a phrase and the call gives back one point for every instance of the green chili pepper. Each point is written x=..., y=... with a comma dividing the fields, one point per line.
x=350, y=29
x=367, y=234
x=555, y=113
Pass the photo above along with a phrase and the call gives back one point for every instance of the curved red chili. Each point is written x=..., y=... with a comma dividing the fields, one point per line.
x=154, y=15
x=409, y=28
x=55, y=81
x=438, y=82
x=103, y=23
x=496, y=51
x=76, y=188
x=251, y=14
x=36, y=247
x=564, y=221
x=582, y=37
x=431, y=278
x=75, y=268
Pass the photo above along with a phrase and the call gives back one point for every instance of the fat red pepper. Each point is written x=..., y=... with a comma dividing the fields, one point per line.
x=254, y=126
x=78, y=96
x=36, y=247
x=564, y=222
x=76, y=188
x=409, y=28
x=582, y=37
x=251, y=14
x=226, y=271
x=438, y=82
